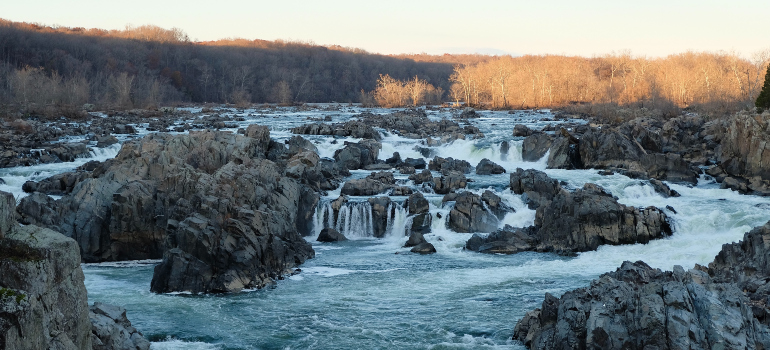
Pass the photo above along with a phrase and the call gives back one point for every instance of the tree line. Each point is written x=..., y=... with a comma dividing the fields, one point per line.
x=137, y=67
x=705, y=80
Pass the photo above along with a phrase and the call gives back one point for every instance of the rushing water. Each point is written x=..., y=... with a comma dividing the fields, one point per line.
x=370, y=293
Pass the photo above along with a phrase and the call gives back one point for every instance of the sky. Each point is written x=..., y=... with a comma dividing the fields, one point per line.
x=652, y=28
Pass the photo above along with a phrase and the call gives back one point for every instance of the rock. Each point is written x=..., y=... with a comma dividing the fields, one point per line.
x=470, y=215
x=401, y=191
x=385, y=177
x=453, y=180
x=43, y=301
x=329, y=234
x=105, y=140
x=488, y=167
x=468, y=113
x=221, y=215
x=363, y=187
x=353, y=128
x=564, y=154
x=445, y=165
x=415, y=238
x=111, y=329
x=419, y=209
x=670, y=167
x=736, y=184
x=67, y=152
x=508, y=240
x=57, y=185
x=539, y=188
x=299, y=144
x=378, y=166
x=7, y=213
x=746, y=263
x=663, y=189
x=406, y=170
x=640, y=307
x=395, y=160
x=423, y=248
x=590, y=217
x=380, y=208
x=601, y=149
x=358, y=155
x=415, y=124
x=535, y=147
x=417, y=163
x=521, y=130
x=422, y=177
x=495, y=204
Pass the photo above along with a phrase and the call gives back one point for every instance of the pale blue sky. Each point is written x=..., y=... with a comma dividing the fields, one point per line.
x=588, y=27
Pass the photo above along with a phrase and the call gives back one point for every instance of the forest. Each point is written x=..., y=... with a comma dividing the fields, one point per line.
x=58, y=70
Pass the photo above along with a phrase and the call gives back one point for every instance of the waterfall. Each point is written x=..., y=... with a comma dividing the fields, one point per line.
x=353, y=220
x=397, y=215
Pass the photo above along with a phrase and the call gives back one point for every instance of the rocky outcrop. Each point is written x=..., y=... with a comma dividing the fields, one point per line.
x=521, y=130
x=7, y=213
x=747, y=264
x=565, y=154
x=423, y=248
x=663, y=189
x=508, y=240
x=589, y=217
x=357, y=155
x=745, y=153
x=471, y=215
x=222, y=216
x=415, y=124
x=329, y=234
x=111, y=329
x=43, y=301
x=380, y=214
x=495, y=204
x=422, y=177
x=488, y=167
x=638, y=307
x=353, y=128
x=449, y=182
x=445, y=165
x=57, y=185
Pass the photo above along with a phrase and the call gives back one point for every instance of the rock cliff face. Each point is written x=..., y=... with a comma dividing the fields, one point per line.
x=638, y=307
x=745, y=154
x=221, y=215
x=43, y=301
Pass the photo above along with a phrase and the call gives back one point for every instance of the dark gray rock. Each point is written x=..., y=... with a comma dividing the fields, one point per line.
x=422, y=177
x=663, y=189
x=445, y=165
x=539, y=188
x=380, y=207
x=423, y=248
x=419, y=209
x=470, y=215
x=417, y=163
x=468, y=113
x=520, y=130
x=495, y=204
x=449, y=182
x=358, y=155
x=329, y=234
x=415, y=238
x=385, y=177
x=488, y=167
x=57, y=185
x=353, y=128
x=564, y=154
x=364, y=187
x=535, y=147
x=590, y=217
x=669, y=167
x=508, y=240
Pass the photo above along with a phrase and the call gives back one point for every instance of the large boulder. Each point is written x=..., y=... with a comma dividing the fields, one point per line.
x=745, y=152
x=380, y=215
x=449, y=182
x=638, y=307
x=415, y=124
x=600, y=149
x=353, y=128
x=445, y=165
x=521, y=130
x=364, y=187
x=538, y=187
x=470, y=215
x=358, y=155
x=535, y=147
x=669, y=167
x=419, y=208
x=564, y=154
x=329, y=234
x=488, y=167
x=508, y=240
x=747, y=263
x=496, y=204
x=590, y=217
